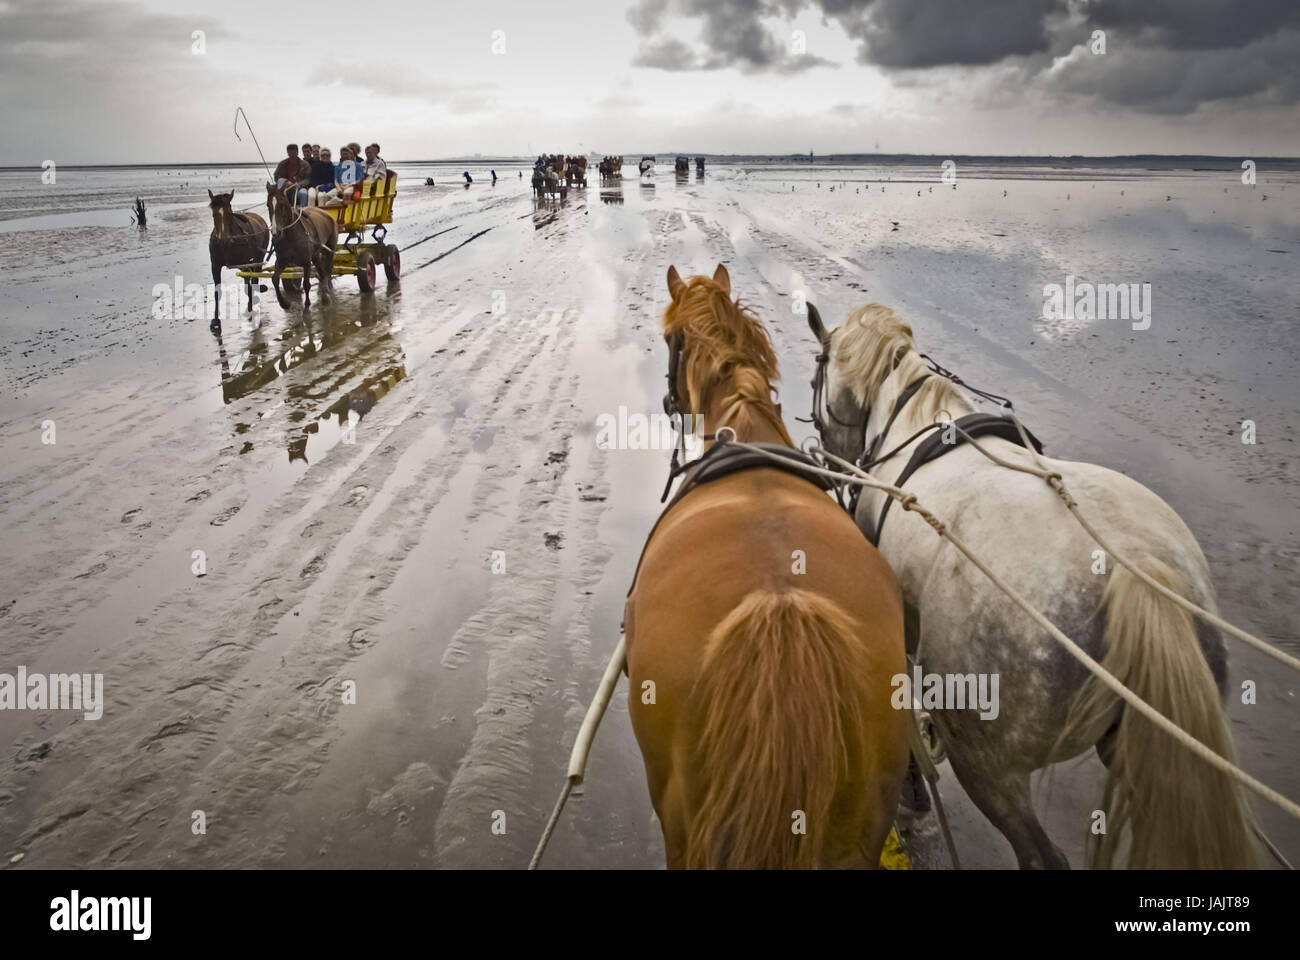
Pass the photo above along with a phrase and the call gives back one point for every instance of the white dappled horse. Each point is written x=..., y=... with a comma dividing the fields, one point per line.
x=1164, y=806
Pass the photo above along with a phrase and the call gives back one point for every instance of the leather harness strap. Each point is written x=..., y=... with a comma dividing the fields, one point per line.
x=933, y=447
x=908, y=392
x=724, y=459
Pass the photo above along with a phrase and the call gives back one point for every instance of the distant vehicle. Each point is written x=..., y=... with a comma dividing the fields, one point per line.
x=683, y=166
x=647, y=165
x=699, y=165
x=611, y=169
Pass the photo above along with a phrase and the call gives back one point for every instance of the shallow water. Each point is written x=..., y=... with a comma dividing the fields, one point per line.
x=348, y=472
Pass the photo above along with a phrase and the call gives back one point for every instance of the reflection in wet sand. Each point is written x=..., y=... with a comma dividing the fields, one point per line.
x=360, y=400
x=380, y=361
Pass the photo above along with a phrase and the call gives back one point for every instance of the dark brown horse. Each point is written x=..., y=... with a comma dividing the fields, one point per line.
x=237, y=239
x=302, y=237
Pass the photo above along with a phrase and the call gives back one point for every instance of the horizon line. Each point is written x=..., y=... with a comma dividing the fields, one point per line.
x=524, y=158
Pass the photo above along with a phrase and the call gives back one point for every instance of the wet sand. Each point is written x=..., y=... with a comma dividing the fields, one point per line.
x=349, y=471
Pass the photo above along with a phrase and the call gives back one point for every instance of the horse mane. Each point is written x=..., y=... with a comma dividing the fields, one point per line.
x=873, y=344
x=727, y=341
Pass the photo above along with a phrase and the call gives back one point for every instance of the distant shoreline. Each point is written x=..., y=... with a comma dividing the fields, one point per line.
x=1168, y=161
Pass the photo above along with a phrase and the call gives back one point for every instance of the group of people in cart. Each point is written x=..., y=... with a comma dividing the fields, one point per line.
x=317, y=181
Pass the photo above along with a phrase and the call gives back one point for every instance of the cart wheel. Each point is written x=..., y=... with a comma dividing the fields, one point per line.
x=393, y=263
x=366, y=271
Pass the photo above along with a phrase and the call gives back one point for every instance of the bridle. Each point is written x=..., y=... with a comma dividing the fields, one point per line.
x=673, y=404
x=821, y=402
x=676, y=406
x=869, y=450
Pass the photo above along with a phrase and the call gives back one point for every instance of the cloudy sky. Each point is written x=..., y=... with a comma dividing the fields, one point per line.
x=84, y=81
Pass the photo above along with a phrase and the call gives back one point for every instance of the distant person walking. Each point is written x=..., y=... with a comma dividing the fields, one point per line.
x=468, y=178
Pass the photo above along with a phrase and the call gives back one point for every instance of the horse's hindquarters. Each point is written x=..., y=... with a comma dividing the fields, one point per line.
x=764, y=627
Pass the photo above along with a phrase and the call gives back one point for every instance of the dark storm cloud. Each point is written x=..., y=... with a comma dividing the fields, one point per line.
x=731, y=35
x=931, y=33
x=1173, y=81
x=893, y=33
x=1163, y=56
x=1195, y=24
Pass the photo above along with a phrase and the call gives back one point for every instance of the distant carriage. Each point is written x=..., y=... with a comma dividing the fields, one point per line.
x=683, y=166
x=647, y=166
x=699, y=166
x=550, y=176
x=575, y=171
x=611, y=169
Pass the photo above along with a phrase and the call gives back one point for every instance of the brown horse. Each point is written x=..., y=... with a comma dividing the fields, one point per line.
x=237, y=239
x=760, y=667
x=303, y=237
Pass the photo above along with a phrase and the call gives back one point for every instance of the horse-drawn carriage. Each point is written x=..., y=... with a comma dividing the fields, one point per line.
x=575, y=171
x=555, y=174
x=683, y=166
x=611, y=169
x=371, y=207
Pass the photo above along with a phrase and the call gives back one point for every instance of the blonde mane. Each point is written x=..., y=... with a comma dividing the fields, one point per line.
x=874, y=344
x=725, y=343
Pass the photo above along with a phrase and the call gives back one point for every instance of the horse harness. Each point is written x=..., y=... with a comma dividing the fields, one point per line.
x=933, y=447
x=724, y=459
x=938, y=443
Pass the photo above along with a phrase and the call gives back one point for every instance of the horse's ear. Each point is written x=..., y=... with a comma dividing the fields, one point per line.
x=210, y=196
x=817, y=327
x=722, y=279
x=232, y=194
x=675, y=284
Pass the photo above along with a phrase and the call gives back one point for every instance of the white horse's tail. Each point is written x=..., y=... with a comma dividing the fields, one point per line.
x=1178, y=810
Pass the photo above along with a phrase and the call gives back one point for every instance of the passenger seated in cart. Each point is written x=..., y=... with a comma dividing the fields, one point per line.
x=347, y=174
x=376, y=169
x=293, y=171
x=322, y=177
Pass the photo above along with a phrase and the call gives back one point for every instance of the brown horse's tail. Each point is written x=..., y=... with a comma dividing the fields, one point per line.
x=1178, y=810
x=780, y=701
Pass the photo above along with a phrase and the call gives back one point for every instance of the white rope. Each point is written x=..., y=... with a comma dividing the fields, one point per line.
x=1055, y=481
x=909, y=502
x=582, y=745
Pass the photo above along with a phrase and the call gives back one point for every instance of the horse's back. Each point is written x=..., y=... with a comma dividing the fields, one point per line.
x=1017, y=525
x=323, y=225
x=253, y=224
x=763, y=529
